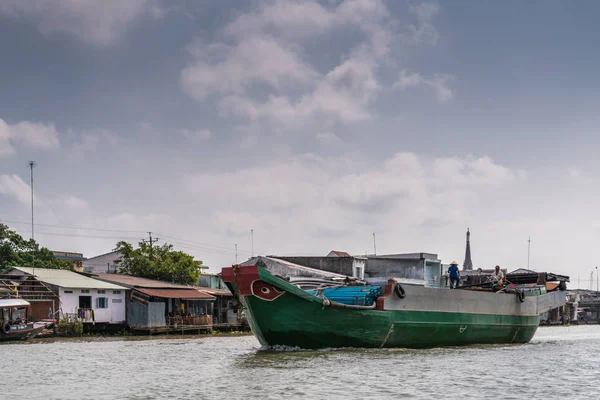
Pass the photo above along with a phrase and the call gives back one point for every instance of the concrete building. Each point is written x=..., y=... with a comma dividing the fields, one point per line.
x=102, y=264
x=418, y=268
x=341, y=265
x=288, y=269
x=80, y=297
x=76, y=258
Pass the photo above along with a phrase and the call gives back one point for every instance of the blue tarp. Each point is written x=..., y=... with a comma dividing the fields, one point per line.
x=350, y=295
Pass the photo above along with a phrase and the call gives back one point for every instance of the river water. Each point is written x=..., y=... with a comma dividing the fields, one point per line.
x=559, y=363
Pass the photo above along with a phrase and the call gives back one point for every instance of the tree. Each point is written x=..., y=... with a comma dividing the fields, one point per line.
x=158, y=262
x=18, y=252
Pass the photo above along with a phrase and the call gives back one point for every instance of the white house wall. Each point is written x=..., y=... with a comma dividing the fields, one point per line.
x=115, y=313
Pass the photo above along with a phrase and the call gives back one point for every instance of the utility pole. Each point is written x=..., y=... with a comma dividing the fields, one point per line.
x=252, y=239
x=596, y=282
x=528, y=250
x=31, y=165
x=236, y=254
x=150, y=241
x=374, y=245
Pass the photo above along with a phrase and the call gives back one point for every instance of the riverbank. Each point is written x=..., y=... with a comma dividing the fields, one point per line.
x=128, y=337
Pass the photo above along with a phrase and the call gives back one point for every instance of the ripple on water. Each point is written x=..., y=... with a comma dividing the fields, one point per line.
x=560, y=362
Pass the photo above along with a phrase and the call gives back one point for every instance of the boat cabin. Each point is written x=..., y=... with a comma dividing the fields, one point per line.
x=15, y=321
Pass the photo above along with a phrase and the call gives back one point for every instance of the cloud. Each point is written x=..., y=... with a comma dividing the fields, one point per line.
x=223, y=69
x=29, y=134
x=439, y=83
x=424, y=32
x=91, y=21
x=329, y=139
x=577, y=175
x=309, y=192
x=71, y=202
x=257, y=70
x=13, y=186
x=201, y=134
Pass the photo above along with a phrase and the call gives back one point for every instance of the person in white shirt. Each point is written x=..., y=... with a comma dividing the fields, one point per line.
x=498, y=275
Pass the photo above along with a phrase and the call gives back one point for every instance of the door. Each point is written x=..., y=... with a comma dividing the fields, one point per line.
x=433, y=273
x=85, y=301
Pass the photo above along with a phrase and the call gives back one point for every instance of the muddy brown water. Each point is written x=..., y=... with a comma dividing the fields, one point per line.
x=559, y=363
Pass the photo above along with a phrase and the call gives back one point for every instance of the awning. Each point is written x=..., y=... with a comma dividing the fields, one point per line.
x=214, y=292
x=184, y=294
x=13, y=303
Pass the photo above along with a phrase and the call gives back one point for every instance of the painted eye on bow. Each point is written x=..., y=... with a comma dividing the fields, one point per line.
x=264, y=291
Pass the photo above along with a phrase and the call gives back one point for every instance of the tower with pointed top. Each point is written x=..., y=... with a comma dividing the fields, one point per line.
x=468, y=264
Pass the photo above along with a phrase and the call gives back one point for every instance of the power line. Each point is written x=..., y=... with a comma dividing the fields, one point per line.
x=72, y=227
x=199, y=246
x=202, y=244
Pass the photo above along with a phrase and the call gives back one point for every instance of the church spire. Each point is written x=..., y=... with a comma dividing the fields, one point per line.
x=468, y=264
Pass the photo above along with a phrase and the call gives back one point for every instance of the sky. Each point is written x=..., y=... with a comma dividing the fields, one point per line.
x=313, y=124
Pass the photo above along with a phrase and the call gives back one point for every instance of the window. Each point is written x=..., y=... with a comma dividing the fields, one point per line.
x=68, y=291
x=102, y=302
x=116, y=292
x=101, y=291
x=117, y=300
x=85, y=291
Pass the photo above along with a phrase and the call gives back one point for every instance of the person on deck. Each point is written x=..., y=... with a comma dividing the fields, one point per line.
x=454, y=275
x=498, y=275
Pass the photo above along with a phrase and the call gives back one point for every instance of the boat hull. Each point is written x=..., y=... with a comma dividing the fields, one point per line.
x=282, y=315
x=27, y=333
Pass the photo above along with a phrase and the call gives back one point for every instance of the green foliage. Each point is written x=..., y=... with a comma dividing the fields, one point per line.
x=18, y=252
x=69, y=327
x=158, y=262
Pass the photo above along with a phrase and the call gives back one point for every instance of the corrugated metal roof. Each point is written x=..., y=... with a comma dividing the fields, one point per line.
x=186, y=294
x=68, y=279
x=134, y=281
x=214, y=292
x=13, y=303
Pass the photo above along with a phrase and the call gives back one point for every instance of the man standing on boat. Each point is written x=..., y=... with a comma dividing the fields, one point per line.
x=498, y=275
x=454, y=275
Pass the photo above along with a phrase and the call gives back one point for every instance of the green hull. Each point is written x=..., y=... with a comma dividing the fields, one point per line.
x=291, y=321
x=297, y=319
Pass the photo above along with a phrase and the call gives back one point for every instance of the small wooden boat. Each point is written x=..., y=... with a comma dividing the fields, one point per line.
x=14, y=321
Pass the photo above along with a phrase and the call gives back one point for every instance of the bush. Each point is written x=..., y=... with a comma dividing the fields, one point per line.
x=67, y=327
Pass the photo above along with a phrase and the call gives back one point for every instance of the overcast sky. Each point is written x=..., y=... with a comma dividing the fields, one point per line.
x=313, y=123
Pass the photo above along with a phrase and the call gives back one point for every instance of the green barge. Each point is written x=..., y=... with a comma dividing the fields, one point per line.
x=408, y=316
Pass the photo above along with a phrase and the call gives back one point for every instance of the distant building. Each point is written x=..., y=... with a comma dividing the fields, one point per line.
x=334, y=253
x=421, y=268
x=211, y=280
x=76, y=258
x=102, y=264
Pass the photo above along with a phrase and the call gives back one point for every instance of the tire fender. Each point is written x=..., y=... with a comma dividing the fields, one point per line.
x=399, y=291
